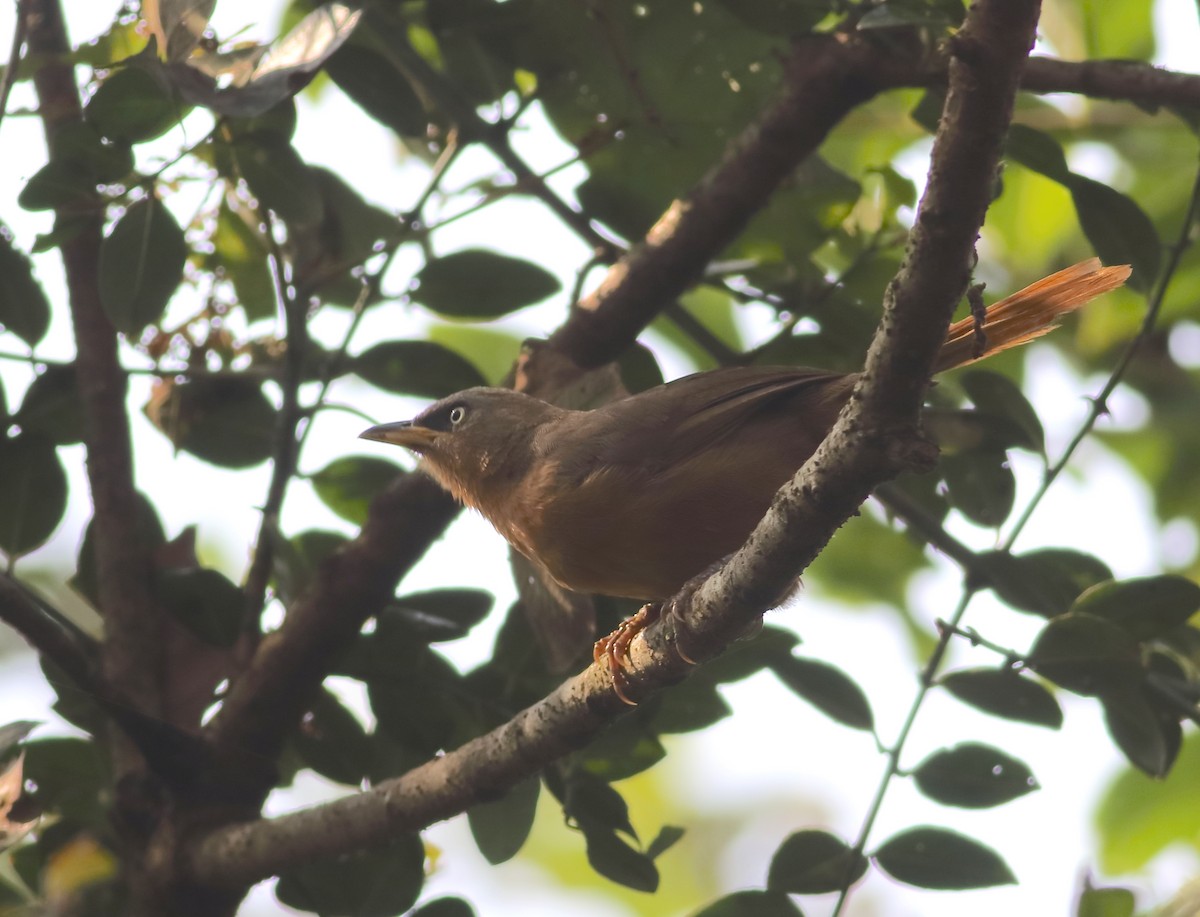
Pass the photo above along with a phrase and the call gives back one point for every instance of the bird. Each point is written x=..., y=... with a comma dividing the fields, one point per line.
x=637, y=497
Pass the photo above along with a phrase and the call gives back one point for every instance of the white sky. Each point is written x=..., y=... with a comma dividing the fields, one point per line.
x=771, y=779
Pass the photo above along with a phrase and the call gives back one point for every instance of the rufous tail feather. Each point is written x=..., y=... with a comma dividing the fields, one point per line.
x=1028, y=313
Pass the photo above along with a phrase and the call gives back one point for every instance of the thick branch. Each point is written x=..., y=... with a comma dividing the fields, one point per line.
x=825, y=78
x=131, y=657
x=872, y=441
x=267, y=700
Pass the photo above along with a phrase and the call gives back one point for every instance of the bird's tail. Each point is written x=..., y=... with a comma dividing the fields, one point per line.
x=1028, y=313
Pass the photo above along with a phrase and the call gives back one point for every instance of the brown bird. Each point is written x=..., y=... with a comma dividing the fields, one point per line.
x=639, y=496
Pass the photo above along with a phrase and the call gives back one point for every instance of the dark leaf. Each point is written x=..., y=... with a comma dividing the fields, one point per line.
x=60, y=183
x=1146, y=607
x=613, y=858
x=668, y=837
x=24, y=309
x=33, y=492
x=501, y=827
x=275, y=174
x=1002, y=692
x=347, y=485
x=333, y=742
x=688, y=707
x=445, y=907
x=205, y=602
x=420, y=368
x=752, y=903
x=1085, y=654
x=376, y=883
x=131, y=106
x=973, y=776
x=827, y=688
x=420, y=702
x=981, y=485
x=625, y=748
x=1044, y=582
x=438, y=615
x=296, y=560
x=639, y=369
x=593, y=804
x=476, y=283
x=379, y=88
x=1118, y=229
x=750, y=655
x=106, y=162
x=52, y=407
x=997, y=394
x=1148, y=737
x=72, y=778
x=938, y=858
x=227, y=421
x=814, y=862
x=141, y=264
x=1037, y=150
x=147, y=527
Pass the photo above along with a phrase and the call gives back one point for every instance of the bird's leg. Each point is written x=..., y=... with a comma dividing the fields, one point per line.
x=612, y=651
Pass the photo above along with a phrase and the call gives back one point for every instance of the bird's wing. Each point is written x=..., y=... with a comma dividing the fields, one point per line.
x=673, y=422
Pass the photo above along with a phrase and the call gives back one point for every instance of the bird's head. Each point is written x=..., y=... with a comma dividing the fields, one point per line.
x=473, y=439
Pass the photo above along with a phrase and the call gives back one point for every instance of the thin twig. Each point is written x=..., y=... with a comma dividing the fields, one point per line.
x=14, y=60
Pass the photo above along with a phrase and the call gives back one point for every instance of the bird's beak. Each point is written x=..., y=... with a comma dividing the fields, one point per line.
x=404, y=433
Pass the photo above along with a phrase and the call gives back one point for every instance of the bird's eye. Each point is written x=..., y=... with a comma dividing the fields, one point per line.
x=457, y=413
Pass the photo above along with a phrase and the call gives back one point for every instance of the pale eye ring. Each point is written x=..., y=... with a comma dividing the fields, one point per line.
x=457, y=414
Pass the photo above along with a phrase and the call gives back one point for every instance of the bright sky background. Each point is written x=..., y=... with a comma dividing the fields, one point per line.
x=776, y=765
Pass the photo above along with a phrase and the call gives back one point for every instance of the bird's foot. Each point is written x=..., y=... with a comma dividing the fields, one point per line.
x=612, y=652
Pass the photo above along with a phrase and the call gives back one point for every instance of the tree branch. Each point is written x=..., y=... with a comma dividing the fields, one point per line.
x=123, y=563
x=1118, y=80
x=873, y=440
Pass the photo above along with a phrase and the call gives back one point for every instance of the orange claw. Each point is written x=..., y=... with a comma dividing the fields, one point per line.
x=613, y=651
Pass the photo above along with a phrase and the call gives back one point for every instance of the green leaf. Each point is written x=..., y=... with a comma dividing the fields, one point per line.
x=1146, y=607
x=476, y=283
x=1039, y=151
x=332, y=741
x=12, y=734
x=379, y=89
x=1148, y=736
x=148, y=529
x=999, y=395
x=81, y=144
x=668, y=837
x=1044, y=582
x=72, y=778
x=274, y=173
x=827, y=688
x=33, y=492
x=24, y=308
x=625, y=748
x=973, y=776
x=1118, y=228
x=419, y=368
x=141, y=264
x=376, y=883
x=205, y=602
x=60, y=183
x=240, y=253
x=500, y=828
x=438, y=615
x=226, y=421
x=418, y=703
x=1085, y=654
x=753, y=903
x=1004, y=693
x=613, y=858
x=1105, y=902
x=348, y=485
x=52, y=406
x=592, y=804
x=814, y=862
x=296, y=560
x=980, y=485
x=937, y=858
x=691, y=706
x=132, y=106
x=639, y=369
